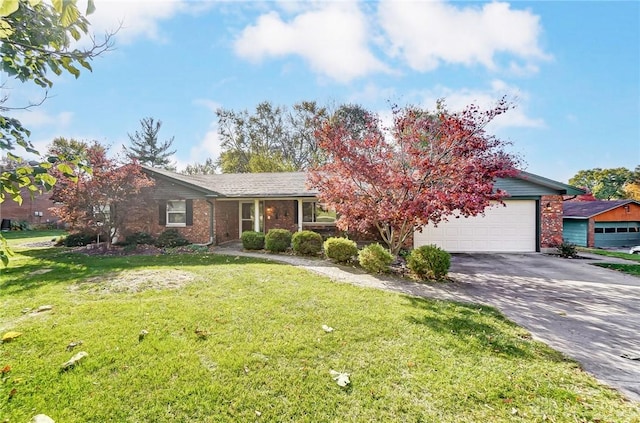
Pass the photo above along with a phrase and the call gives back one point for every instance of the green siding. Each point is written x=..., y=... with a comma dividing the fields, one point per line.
x=617, y=234
x=574, y=231
x=522, y=188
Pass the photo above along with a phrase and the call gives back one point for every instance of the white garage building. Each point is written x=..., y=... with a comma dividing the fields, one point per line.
x=529, y=221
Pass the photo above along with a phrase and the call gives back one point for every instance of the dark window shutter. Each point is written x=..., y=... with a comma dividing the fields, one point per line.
x=162, y=213
x=189, y=204
x=295, y=211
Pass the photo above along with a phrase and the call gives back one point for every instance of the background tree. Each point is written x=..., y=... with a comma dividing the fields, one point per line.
x=604, y=184
x=632, y=188
x=422, y=170
x=103, y=200
x=206, y=168
x=35, y=39
x=272, y=139
x=145, y=147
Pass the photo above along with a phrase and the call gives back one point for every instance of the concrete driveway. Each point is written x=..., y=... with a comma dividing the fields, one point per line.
x=589, y=313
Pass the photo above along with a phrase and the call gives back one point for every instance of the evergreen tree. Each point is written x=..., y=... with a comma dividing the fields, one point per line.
x=146, y=149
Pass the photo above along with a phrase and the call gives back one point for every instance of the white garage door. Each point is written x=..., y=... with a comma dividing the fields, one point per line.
x=501, y=229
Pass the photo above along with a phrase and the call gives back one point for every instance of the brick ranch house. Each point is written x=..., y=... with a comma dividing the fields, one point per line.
x=218, y=208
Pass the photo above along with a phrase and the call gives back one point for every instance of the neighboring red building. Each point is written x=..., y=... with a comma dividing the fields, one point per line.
x=33, y=210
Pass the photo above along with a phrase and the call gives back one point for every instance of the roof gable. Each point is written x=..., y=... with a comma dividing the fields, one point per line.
x=525, y=183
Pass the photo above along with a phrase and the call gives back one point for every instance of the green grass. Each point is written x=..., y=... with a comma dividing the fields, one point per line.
x=265, y=356
x=630, y=269
x=626, y=256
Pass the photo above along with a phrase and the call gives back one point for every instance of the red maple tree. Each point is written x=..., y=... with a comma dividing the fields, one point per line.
x=102, y=200
x=424, y=168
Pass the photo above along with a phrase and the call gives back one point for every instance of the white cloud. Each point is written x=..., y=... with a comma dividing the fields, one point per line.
x=38, y=117
x=332, y=38
x=457, y=100
x=139, y=18
x=210, y=145
x=426, y=34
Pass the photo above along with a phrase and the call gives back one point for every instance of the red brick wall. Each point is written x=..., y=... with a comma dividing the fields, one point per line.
x=146, y=220
x=591, y=233
x=280, y=214
x=226, y=221
x=9, y=209
x=550, y=221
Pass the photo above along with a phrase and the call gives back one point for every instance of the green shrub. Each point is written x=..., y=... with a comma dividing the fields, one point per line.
x=342, y=250
x=374, y=258
x=567, y=250
x=429, y=262
x=79, y=239
x=59, y=241
x=20, y=225
x=277, y=240
x=139, y=238
x=252, y=240
x=307, y=243
x=171, y=238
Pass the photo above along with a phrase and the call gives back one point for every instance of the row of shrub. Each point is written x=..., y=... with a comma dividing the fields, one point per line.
x=427, y=262
x=168, y=239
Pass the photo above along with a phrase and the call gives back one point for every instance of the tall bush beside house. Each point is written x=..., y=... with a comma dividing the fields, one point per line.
x=429, y=262
x=277, y=240
x=252, y=240
x=307, y=243
x=341, y=250
x=374, y=258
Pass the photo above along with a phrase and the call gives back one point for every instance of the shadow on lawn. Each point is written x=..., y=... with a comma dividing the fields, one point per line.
x=60, y=265
x=480, y=327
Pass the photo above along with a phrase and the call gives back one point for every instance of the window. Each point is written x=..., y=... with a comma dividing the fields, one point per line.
x=176, y=213
x=622, y=230
x=599, y=230
x=314, y=212
x=609, y=230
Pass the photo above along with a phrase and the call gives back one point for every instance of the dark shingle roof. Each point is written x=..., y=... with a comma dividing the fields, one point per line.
x=587, y=209
x=240, y=185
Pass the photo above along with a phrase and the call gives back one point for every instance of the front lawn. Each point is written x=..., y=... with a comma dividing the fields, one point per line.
x=236, y=339
x=607, y=253
x=630, y=269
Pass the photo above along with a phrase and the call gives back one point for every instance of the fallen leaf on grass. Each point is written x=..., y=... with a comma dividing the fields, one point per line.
x=73, y=344
x=201, y=333
x=10, y=336
x=327, y=329
x=42, y=418
x=342, y=379
x=43, y=308
x=73, y=361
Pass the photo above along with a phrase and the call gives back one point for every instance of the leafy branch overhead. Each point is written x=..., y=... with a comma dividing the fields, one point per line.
x=36, y=38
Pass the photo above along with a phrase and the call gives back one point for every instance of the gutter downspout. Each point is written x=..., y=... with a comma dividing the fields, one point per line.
x=211, y=221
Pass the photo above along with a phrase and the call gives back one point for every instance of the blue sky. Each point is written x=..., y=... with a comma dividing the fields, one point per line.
x=572, y=68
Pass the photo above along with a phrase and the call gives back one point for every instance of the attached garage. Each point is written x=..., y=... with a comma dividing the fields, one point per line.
x=602, y=224
x=529, y=221
x=508, y=228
